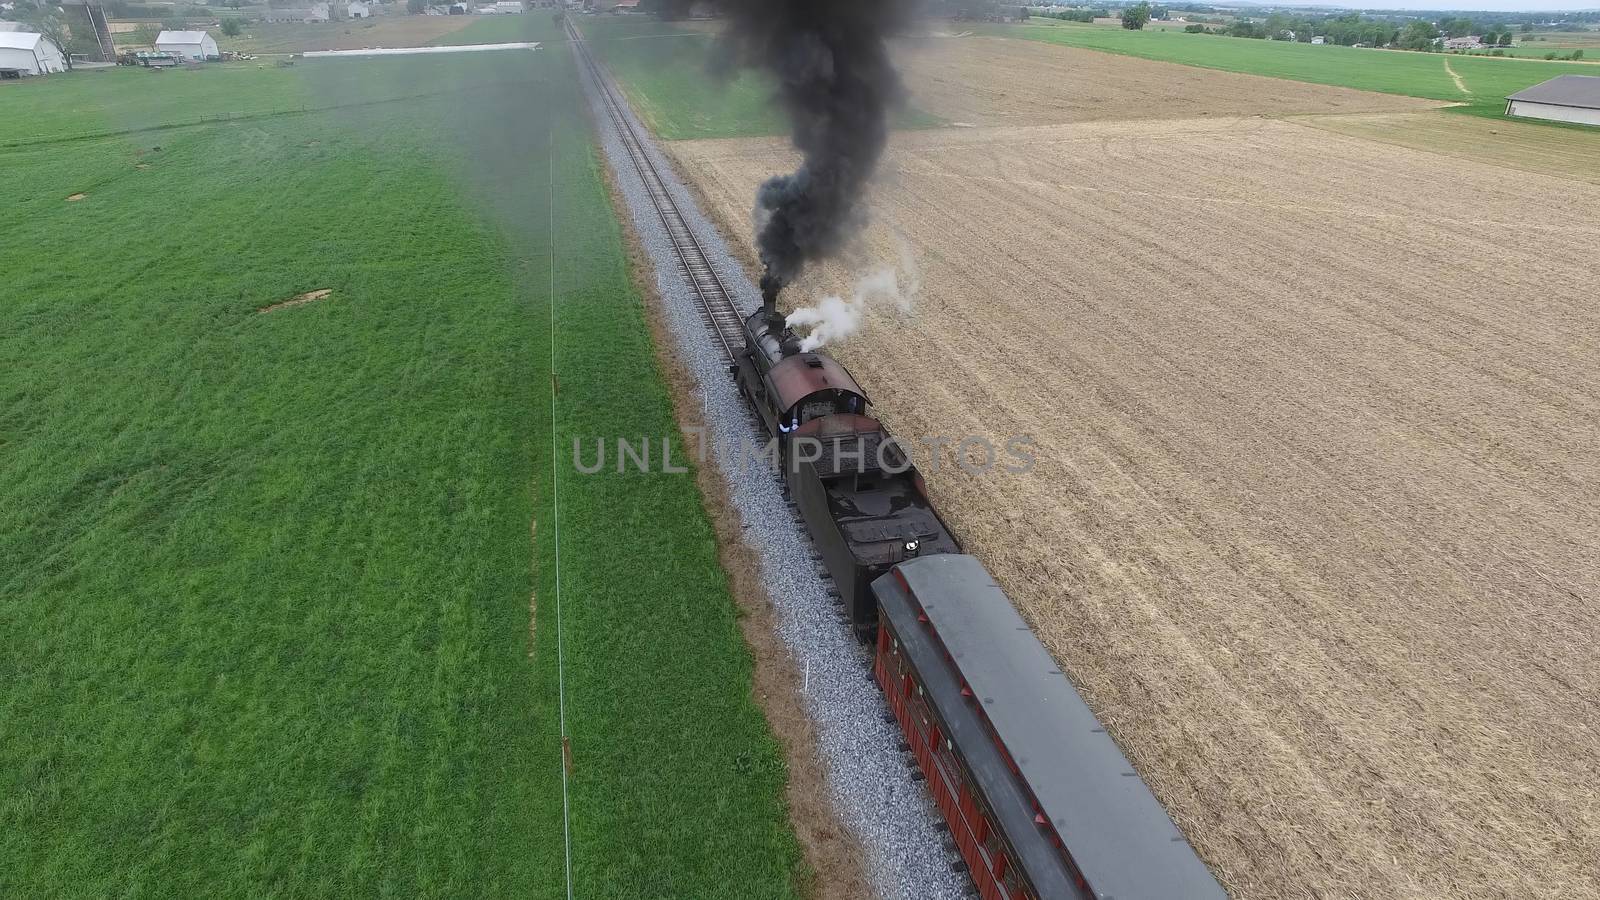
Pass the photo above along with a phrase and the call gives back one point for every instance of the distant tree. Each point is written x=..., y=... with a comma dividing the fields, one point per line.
x=1247, y=29
x=145, y=35
x=1527, y=27
x=1505, y=38
x=416, y=7
x=1577, y=55
x=1418, y=35
x=55, y=30
x=1134, y=18
x=1194, y=29
x=232, y=27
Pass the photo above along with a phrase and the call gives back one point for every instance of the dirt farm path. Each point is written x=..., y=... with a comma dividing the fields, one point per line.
x=1316, y=520
x=1460, y=85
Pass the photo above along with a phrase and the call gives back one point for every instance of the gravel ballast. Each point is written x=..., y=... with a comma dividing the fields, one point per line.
x=868, y=776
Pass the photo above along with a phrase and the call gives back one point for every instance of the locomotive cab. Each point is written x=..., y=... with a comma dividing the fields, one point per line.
x=788, y=387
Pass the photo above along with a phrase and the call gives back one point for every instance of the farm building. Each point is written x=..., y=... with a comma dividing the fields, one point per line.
x=357, y=9
x=25, y=53
x=1564, y=98
x=191, y=45
x=509, y=7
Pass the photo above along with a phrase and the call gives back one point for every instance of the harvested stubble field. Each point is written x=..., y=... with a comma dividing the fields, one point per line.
x=1314, y=520
x=993, y=81
x=1533, y=147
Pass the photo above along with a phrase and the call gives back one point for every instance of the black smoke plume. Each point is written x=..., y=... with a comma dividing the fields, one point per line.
x=837, y=84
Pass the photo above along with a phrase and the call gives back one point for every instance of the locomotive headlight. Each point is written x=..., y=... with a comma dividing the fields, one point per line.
x=911, y=546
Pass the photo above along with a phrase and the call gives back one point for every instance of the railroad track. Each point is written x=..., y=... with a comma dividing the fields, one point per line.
x=717, y=307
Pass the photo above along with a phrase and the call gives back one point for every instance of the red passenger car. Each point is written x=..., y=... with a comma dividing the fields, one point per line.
x=1040, y=801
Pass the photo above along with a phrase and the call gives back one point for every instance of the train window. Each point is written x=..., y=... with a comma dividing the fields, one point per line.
x=1015, y=886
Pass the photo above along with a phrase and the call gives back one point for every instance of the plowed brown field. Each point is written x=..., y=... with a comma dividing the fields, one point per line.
x=1315, y=524
x=993, y=81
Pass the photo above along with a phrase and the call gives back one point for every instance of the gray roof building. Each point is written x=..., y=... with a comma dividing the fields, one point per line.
x=1564, y=98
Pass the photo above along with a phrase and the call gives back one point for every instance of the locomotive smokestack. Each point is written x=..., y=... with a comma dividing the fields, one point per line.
x=835, y=80
x=770, y=287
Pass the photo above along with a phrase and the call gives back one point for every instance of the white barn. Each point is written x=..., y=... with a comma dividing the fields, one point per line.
x=193, y=45
x=357, y=9
x=1564, y=98
x=26, y=53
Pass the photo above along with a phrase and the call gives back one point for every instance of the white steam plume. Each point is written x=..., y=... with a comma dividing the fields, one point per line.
x=833, y=319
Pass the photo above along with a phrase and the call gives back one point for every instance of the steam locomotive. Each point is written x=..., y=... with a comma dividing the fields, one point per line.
x=1038, y=800
x=862, y=499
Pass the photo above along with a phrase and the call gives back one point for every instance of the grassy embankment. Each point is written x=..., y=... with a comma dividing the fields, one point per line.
x=665, y=68
x=265, y=579
x=1487, y=81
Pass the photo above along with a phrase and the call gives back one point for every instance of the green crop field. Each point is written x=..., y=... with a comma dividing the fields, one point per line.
x=666, y=70
x=1487, y=80
x=277, y=596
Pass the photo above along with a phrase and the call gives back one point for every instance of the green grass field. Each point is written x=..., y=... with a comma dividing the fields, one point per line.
x=1488, y=81
x=665, y=68
x=265, y=579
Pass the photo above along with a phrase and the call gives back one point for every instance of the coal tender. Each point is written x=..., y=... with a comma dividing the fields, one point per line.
x=861, y=498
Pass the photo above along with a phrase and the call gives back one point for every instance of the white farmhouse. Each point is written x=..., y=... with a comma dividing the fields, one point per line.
x=357, y=9
x=191, y=45
x=25, y=53
x=1564, y=98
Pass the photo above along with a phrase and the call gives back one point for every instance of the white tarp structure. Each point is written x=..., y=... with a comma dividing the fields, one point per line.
x=27, y=53
x=193, y=45
x=407, y=51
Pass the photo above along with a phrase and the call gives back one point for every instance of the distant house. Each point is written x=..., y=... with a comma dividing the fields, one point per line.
x=1564, y=98
x=1472, y=42
x=25, y=53
x=357, y=9
x=1319, y=39
x=509, y=7
x=191, y=45
x=625, y=7
x=316, y=12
